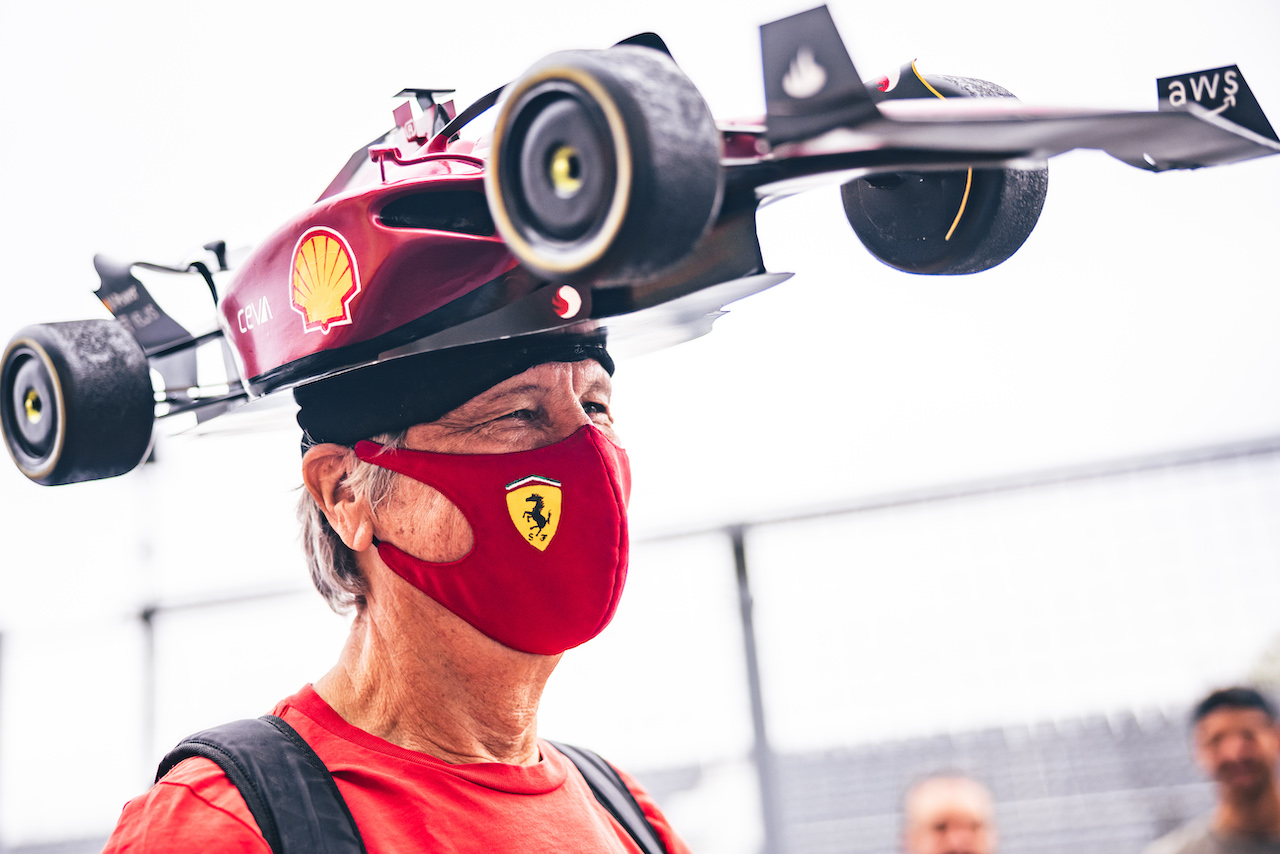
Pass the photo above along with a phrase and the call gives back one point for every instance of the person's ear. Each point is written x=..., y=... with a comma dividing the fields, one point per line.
x=325, y=471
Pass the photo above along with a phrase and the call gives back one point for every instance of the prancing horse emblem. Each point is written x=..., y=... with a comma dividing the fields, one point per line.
x=534, y=506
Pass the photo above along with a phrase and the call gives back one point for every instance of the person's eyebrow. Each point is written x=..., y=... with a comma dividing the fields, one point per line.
x=513, y=392
x=497, y=401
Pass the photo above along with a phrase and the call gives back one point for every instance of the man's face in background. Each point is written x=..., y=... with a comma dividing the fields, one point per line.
x=949, y=815
x=1239, y=749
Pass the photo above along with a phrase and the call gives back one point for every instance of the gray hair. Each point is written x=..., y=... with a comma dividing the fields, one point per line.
x=333, y=565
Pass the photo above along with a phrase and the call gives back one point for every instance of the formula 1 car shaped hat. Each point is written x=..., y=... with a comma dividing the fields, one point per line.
x=607, y=204
x=407, y=296
x=396, y=296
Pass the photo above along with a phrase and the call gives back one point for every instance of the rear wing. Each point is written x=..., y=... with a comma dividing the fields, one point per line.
x=1220, y=91
x=817, y=105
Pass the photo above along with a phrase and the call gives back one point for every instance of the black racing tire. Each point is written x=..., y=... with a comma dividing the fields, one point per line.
x=605, y=166
x=76, y=401
x=947, y=223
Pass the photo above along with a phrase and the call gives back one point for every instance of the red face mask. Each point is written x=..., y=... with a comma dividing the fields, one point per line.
x=549, y=526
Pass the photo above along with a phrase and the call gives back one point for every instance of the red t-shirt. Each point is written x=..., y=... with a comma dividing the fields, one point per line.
x=402, y=801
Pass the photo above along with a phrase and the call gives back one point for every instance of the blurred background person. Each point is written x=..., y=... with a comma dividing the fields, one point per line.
x=1236, y=742
x=948, y=814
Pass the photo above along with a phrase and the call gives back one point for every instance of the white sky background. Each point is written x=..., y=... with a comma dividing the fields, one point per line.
x=1141, y=315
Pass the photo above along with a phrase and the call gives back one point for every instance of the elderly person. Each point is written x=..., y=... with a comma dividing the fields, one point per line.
x=948, y=814
x=470, y=506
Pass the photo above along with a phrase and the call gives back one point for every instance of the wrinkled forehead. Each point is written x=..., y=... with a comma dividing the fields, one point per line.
x=584, y=378
x=578, y=376
x=951, y=797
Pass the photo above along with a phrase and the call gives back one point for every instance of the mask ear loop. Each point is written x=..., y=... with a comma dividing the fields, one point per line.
x=382, y=451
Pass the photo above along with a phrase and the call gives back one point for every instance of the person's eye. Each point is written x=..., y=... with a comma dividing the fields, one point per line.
x=521, y=415
x=594, y=408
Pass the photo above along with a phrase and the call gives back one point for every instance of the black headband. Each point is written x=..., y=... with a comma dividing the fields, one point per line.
x=394, y=395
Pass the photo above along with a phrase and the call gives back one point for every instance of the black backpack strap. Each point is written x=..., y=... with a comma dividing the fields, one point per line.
x=289, y=791
x=606, y=784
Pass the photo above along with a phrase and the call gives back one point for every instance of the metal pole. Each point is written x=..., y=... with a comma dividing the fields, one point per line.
x=147, y=618
x=762, y=753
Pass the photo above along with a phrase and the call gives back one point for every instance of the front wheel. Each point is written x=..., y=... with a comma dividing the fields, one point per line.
x=605, y=166
x=76, y=401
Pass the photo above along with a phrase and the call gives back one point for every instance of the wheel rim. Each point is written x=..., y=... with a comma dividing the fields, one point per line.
x=559, y=180
x=31, y=408
x=568, y=174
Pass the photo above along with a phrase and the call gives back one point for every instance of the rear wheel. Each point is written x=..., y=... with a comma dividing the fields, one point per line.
x=76, y=401
x=947, y=223
x=605, y=166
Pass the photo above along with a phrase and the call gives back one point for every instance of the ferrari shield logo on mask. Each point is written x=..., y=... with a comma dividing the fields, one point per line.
x=534, y=505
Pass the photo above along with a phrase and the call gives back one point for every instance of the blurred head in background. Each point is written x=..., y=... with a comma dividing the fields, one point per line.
x=948, y=814
x=1237, y=743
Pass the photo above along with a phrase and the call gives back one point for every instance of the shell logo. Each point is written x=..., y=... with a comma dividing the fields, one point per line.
x=323, y=280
